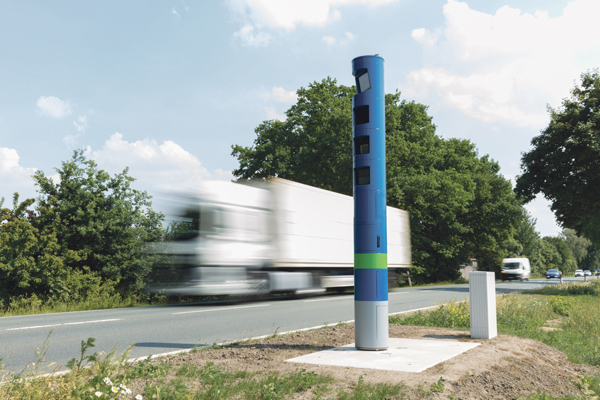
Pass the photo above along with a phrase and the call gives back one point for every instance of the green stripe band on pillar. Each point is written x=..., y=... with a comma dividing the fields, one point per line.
x=370, y=261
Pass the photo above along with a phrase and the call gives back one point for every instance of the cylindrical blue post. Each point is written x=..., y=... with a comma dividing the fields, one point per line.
x=370, y=227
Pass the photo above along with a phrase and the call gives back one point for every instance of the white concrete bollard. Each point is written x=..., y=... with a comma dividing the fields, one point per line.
x=482, y=292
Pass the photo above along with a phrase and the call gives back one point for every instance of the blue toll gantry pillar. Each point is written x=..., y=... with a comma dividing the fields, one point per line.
x=370, y=225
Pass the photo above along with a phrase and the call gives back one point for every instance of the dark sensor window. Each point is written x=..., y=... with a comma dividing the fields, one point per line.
x=361, y=145
x=363, y=175
x=361, y=115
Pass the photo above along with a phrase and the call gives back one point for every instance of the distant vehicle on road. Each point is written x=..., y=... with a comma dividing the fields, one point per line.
x=515, y=268
x=598, y=272
x=587, y=272
x=553, y=273
x=578, y=272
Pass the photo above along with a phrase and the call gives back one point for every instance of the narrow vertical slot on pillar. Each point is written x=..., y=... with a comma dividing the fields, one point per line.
x=378, y=241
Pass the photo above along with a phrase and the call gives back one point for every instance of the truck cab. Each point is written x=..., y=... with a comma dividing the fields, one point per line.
x=220, y=239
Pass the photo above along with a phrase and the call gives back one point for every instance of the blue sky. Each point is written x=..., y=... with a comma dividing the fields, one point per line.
x=166, y=87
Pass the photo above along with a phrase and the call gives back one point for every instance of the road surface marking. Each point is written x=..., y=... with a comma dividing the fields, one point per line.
x=330, y=298
x=397, y=293
x=67, y=323
x=220, y=309
x=92, y=322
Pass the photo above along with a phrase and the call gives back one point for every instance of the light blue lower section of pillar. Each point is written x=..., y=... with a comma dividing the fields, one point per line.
x=371, y=325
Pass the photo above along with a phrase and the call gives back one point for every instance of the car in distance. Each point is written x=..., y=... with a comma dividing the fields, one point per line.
x=587, y=272
x=598, y=272
x=553, y=273
x=578, y=272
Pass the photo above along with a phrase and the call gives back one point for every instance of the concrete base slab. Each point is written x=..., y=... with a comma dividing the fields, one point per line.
x=405, y=355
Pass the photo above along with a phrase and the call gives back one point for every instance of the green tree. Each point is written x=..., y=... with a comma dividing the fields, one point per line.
x=592, y=259
x=567, y=263
x=579, y=245
x=460, y=205
x=100, y=222
x=550, y=258
x=564, y=162
x=18, y=246
x=313, y=145
x=30, y=263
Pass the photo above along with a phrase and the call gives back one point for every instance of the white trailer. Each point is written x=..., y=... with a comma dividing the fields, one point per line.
x=269, y=236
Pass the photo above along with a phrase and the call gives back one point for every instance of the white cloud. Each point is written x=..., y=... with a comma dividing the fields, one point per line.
x=248, y=36
x=281, y=95
x=53, y=107
x=425, y=37
x=70, y=140
x=273, y=114
x=288, y=14
x=81, y=123
x=13, y=177
x=507, y=66
x=165, y=166
x=330, y=40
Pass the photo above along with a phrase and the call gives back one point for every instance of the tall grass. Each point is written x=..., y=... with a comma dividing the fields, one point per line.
x=33, y=305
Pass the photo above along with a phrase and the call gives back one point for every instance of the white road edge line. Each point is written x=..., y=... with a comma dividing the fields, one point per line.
x=92, y=322
x=33, y=327
x=220, y=309
x=345, y=297
x=66, y=323
x=328, y=299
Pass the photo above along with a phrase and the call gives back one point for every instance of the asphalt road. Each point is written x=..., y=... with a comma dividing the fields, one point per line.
x=154, y=330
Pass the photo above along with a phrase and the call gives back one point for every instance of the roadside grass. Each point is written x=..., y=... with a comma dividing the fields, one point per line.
x=33, y=305
x=570, y=309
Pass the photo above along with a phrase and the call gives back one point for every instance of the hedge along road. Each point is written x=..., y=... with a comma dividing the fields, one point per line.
x=162, y=329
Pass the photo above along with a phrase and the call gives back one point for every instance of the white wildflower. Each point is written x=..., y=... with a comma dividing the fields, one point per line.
x=98, y=394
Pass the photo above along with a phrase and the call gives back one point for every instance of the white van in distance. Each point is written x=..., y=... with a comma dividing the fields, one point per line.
x=515, y=268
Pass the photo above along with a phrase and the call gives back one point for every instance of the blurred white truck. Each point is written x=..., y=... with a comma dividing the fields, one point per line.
x=264, y=237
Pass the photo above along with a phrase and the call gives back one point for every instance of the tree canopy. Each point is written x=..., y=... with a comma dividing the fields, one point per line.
x=564, y=163
x=459, y=203
x=86, y=237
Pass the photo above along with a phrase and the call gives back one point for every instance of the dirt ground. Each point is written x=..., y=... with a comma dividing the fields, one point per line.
x=505, y=367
